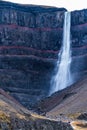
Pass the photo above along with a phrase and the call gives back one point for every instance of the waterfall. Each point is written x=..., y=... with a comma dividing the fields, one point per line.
x=63, y=77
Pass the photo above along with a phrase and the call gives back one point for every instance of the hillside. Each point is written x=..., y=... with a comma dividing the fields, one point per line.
x=14, y=116
x=70, y=102
x=30, y=40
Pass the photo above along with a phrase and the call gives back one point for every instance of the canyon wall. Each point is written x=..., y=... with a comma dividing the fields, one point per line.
x=30, y=39
x=79, y=42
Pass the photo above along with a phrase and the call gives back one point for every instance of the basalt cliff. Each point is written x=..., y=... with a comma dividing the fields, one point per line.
x=30, y=39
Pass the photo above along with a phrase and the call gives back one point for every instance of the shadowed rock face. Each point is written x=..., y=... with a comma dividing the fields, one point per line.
x=30, y=39
x=79, y=40
x=29, y=45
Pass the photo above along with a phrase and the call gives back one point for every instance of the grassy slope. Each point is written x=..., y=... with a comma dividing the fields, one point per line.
x=14, y=116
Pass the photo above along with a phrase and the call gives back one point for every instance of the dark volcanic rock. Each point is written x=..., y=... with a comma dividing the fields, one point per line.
x=83, y=116
x=30, y=39
x=79, y=41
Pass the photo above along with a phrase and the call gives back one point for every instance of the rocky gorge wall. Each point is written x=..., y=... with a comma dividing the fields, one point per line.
x=79, y=42
x=30, y=39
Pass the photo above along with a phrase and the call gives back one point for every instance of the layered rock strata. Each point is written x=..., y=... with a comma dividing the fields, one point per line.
x=28, y=49
x=30, y=39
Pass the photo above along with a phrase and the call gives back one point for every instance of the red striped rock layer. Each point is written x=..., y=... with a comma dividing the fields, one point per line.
x=30, y=39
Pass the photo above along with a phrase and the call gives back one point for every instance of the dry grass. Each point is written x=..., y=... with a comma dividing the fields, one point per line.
x=4, y=117
x=74, y=116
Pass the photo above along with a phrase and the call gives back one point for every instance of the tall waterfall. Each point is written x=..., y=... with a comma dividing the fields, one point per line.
x=63, y=78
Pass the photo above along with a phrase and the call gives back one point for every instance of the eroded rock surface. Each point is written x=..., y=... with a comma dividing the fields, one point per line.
x=30, y=39
x=28, y=48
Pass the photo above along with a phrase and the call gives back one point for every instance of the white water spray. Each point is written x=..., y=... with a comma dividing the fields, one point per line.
x=63, y=78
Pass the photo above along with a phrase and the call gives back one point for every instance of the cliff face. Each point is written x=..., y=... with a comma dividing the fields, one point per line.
x=30, y=39
x=79, y=41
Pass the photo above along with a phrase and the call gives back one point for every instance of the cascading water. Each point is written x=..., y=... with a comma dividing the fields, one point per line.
x=63, y=77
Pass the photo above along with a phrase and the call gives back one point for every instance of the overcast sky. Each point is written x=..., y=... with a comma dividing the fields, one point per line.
x=68, y=4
